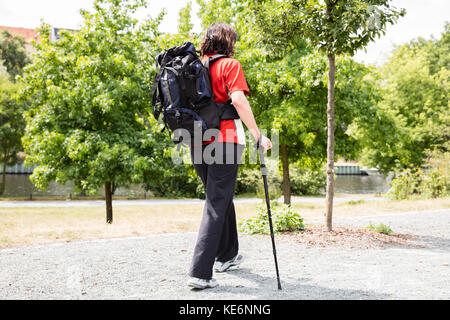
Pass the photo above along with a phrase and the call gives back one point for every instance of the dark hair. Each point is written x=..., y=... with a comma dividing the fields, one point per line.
x=220, y=38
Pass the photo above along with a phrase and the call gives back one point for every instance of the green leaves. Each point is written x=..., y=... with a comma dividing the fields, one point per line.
x=13, y=58
x=13, y=53
x=419, y=184
x=337, y=27
x=413, y=116
x=287, y=77
x=11, y=121
x=380, y=228
x=86, y=90
x=184, y=20
x=284, y=218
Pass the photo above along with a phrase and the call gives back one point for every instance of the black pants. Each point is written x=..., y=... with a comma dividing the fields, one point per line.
x=217, y=237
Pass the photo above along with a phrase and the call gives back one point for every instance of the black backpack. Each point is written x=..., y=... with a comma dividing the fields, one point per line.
x=182, y=92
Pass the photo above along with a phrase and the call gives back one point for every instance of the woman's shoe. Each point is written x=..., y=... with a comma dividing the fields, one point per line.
x=198, y=283
x=224, y=266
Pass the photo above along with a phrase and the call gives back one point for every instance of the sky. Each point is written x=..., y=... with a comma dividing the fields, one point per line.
x=424, y=18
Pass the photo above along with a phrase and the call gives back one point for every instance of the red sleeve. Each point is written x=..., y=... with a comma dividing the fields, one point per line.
x=234, y=78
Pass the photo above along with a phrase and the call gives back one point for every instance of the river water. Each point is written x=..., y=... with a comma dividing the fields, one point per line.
x=19, y=185
x=362, y=184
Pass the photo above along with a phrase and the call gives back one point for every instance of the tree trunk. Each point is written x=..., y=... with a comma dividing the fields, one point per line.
x=108, y=199
x=2, y=190
x=330, y=143
x=5, y=161
x=113, y=188
x=286, y=179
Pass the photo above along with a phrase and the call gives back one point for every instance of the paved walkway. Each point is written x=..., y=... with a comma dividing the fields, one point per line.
x=155, y=267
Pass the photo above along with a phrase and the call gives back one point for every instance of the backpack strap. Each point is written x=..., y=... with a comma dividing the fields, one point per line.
x=212, y=59
x=226, y=110
x=158, y=74
x=155, y=92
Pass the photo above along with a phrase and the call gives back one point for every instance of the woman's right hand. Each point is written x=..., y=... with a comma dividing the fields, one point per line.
x=265, y=143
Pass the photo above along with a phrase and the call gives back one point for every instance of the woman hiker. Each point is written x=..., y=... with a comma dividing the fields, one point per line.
x=217, y=241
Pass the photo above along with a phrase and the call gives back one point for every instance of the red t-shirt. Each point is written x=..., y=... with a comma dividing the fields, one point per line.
x=227, y=77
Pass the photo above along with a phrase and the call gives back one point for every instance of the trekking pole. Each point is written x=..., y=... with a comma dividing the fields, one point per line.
x=269, y=214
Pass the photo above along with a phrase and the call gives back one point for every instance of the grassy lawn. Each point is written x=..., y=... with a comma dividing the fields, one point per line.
x=351, y=208
x=26, y=226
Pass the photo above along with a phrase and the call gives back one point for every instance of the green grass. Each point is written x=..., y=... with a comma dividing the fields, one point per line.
x=5, y=240
x=32, y=225
x=354, y=202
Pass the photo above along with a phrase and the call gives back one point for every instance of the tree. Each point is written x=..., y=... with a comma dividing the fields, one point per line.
x=334, y=27
x=414, y=106
x=288, y=90
x=184, y=20
x=90, y=93
x=12, y=123
x=13, y=58
x=175, y=178
x=13, y=53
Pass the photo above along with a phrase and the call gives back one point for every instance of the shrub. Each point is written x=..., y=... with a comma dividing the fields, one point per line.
x=284, y=218
x=381, y=228
x=419, y=184
x=248, y=181
x=274, y=190
x=307, y=181
x=434, y=185
x=180, y=181
x=303, y=182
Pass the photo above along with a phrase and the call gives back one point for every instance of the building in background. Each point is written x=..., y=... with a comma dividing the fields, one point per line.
x=32, y=34
x=28, y=34
x=54, y=33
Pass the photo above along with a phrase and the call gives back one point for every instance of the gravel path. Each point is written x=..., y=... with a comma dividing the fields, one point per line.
x=155, y=266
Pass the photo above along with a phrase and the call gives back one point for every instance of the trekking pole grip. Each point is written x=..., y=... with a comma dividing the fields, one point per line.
x=261, y=155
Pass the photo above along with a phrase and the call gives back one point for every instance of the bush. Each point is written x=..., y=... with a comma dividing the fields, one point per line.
x=284, y=218
x=432, y=182
x=303, y=182
x=435, y=185
x=307, y=181
x=248, y=181
x=180, y=181
x=381, y=228
x=200, y=190
x=419, y=184
x=273, y=187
